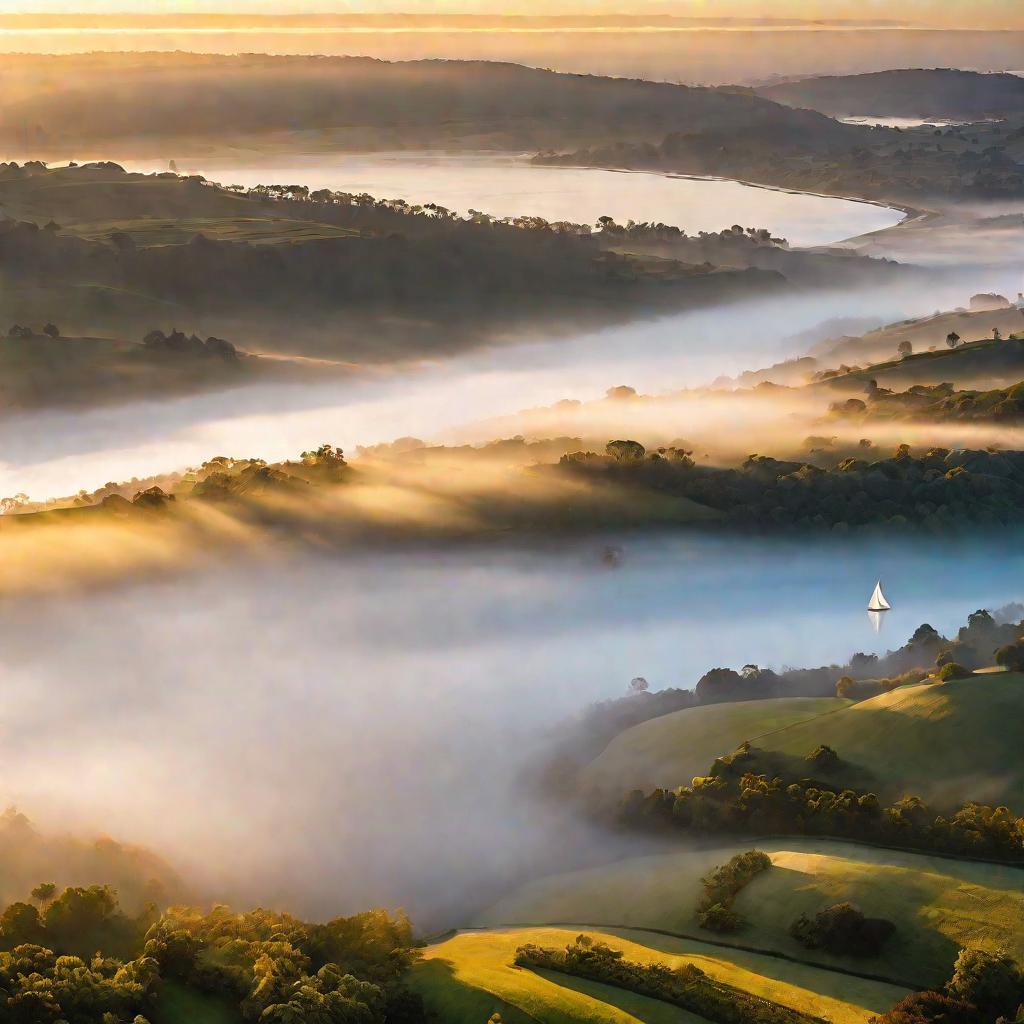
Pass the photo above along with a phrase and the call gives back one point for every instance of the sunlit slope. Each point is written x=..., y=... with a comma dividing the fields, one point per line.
x=470, y=976
x=669, y=751
x=937, y=904
x=946, y=742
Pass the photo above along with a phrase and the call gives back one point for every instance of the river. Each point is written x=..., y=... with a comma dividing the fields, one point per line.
x=507, y=186
x=301, y=734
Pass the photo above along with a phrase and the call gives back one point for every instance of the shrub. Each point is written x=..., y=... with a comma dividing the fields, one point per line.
x=952, y=670
x=824, y=759
x=719, y=918
x=929, y=1008
x=843, y=931
x=1011, y=656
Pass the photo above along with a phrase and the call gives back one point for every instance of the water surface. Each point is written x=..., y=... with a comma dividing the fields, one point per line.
x=512, y=187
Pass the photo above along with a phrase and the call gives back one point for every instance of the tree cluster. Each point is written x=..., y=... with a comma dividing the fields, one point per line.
x=274, y=968
x=734, y=798
x=721, y=887
x=938, y=492
x=191, y=345
x=939, y=402
x=842, y=930
x=687, y=986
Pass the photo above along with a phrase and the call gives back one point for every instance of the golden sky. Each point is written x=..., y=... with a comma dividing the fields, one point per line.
x=966, y=13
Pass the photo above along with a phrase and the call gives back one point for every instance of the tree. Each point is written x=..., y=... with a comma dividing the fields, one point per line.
x=904, y=349
x=638, y=685
x=625, y=451
x=51, y=331
x=952, y=339
x=845, y=688
x=20, y=924
x=953, y=671
x=12, y=504
x=717, y=685
x=991, y=981
x=44, y=892
x=1011, y=657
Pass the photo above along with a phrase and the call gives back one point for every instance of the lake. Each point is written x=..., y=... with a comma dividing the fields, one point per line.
x=303, y=733
x=511, y=187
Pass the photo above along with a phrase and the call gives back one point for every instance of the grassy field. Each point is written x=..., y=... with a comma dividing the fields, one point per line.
x=470, y=976
x=890, y=743
x=938, y=905
x=669, y=751
x=946, y=742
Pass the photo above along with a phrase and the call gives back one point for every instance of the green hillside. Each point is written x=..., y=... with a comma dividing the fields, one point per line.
x=946, y=742
x=669, y=751
x=470, y=976
x=938, y=905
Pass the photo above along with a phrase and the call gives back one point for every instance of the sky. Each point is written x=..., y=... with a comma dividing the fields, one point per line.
x=965, y=13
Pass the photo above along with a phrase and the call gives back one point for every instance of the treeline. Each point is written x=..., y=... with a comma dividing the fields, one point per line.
x=720, y=889
x=75, y=957
x=938, y=491
x=687, y=987
x=880, y=164
x=939, y=402
x=389, y=261
x=739, y=246
x=735, y=798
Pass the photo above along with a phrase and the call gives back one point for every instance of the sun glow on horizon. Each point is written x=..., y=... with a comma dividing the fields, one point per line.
x=989, y=14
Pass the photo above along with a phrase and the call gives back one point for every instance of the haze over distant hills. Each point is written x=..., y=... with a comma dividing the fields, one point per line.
x=919, y=92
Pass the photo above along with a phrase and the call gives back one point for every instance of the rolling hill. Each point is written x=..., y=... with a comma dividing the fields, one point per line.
x=917, y=92
x=937, y=904
x=669, y=751
x=470, y=976
x=946, y=742
x=923, y=739
x=56, y=106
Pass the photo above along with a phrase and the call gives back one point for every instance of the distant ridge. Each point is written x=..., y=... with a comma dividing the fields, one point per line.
x=913, y=92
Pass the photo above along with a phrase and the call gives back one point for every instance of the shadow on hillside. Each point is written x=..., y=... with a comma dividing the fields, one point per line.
x=451, y=999
x=918, y=952
x=960, y=750
x=643, y=1008
x=870, y=995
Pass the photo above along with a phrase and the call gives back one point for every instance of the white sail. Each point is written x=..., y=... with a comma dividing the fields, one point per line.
x=878, y=603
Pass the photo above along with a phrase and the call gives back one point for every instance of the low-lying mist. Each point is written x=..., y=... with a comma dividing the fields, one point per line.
x=329, y=733
x=47, y=454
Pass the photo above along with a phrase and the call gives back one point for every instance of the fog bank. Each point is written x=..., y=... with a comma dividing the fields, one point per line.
x=330, y=734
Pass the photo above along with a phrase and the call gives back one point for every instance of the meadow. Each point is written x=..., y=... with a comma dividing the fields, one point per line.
x=470, y=975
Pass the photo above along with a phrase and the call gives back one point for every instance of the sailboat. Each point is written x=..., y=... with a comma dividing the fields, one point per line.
x=878, y=603
x=877, y=606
